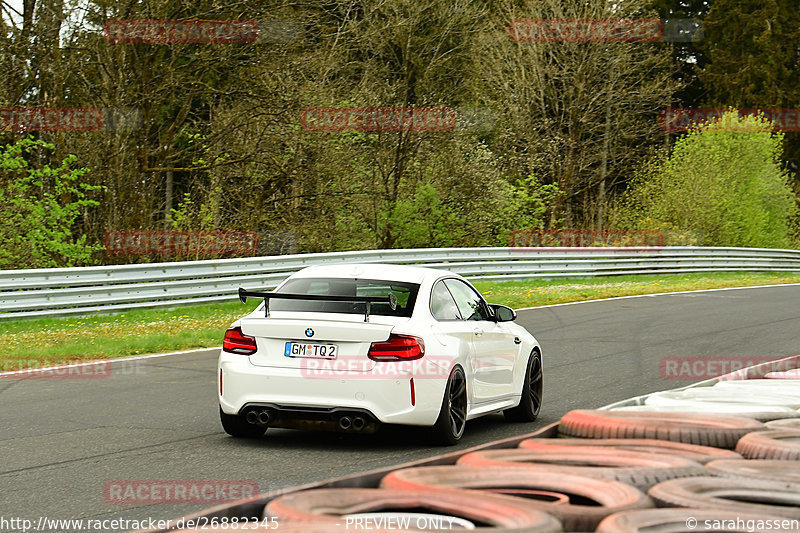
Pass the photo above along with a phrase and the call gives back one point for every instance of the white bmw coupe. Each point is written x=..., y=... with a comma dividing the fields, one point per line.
x=349, y=347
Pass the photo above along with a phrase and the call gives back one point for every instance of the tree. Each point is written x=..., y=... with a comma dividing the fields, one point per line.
x=577, y=114
x=753, y=58
x=40, y=207
x=723, y=182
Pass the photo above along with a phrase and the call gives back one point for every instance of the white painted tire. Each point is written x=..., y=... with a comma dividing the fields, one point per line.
x=744, y=397
x=758, y=412
x=757, y=386
x=789, y=374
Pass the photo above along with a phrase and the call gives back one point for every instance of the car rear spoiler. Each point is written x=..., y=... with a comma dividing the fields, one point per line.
x=391, y=299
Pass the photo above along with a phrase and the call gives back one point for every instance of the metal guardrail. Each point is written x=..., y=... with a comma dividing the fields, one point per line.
x=70, y=291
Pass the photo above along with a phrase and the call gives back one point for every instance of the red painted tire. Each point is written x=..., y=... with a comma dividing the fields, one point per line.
x=693, y=452
x=690, y=428
x=501, y=514
x=603, y=497
x=783, y=444
x=642, y=470
x=771, y=469
x=676, y=520
x=752, y=496
x=786, y=423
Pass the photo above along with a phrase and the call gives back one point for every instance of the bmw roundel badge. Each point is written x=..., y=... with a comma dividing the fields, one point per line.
x=309, y=332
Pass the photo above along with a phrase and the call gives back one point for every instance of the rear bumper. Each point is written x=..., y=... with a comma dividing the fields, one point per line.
x=386, y=396
x=326, y=418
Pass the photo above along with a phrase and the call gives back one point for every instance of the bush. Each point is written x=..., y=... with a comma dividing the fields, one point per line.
x=723, y=183
x=40, y=207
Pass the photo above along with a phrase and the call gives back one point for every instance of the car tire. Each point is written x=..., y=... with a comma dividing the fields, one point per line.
x=530, y=401
x=237, y=426
x=720, y=431
x=497, y=514
x=693, y=452
x=596, y=498
x=642, y=470
x=782, y=444
x=771, y=469
x=756, y=496
x=449, y=426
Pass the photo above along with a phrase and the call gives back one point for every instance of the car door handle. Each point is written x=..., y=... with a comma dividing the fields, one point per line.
x=478, y=332
x=517, y=340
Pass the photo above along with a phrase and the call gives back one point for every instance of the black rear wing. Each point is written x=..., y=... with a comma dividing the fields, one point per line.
x=391, y=299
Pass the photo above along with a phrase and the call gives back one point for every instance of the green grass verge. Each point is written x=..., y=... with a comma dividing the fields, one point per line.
x=29, y=343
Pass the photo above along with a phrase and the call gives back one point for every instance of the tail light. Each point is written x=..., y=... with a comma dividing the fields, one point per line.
x=397, y=348
x=237, y=342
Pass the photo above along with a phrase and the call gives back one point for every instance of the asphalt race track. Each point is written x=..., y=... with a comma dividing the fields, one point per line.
x=156, y=419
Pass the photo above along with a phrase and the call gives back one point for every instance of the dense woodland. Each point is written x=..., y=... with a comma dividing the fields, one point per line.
x=208, y=136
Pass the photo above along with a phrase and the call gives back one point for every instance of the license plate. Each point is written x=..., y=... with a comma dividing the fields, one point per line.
x=304, y=349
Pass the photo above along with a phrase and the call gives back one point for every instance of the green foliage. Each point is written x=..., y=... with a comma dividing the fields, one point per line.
x=40, y=205
x=192, y=217
x=723, y=182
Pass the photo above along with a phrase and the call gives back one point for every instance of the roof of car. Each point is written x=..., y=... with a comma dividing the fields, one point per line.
x=382, y=271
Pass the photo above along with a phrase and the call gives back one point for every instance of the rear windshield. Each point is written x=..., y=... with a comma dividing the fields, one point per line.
x=406, y=294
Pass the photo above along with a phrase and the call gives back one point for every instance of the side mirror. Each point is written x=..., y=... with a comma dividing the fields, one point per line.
x=503, y=313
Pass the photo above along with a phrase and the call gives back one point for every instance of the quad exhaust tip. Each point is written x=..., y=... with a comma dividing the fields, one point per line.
x=263, y=417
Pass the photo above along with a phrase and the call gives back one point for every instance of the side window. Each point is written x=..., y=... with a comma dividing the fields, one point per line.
x=468, y=301
x=443, y=307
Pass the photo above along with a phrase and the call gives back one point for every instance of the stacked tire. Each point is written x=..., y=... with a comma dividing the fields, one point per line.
x=608, y=471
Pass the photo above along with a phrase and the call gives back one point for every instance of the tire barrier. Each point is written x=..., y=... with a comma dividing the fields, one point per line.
x=725, y=450
x=690, y=428
x=589, y=500
x=642, y=470
x=682, y=521
x=763, y=497
x=496, y=514
x=693, y=452
x=744, y=469
x=783, y=444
